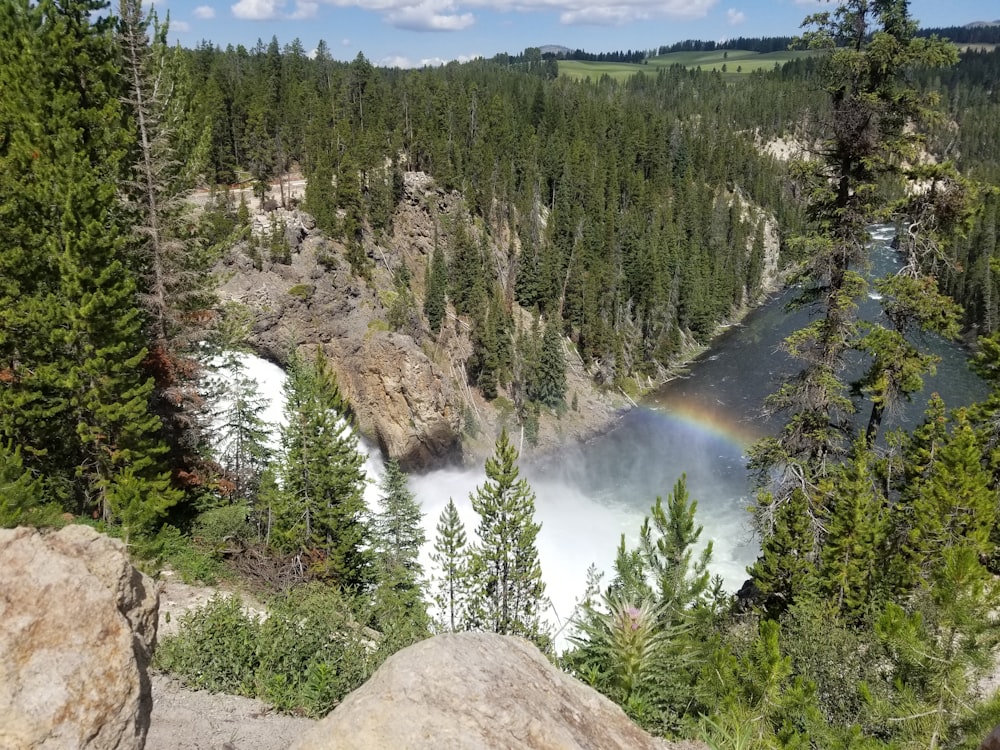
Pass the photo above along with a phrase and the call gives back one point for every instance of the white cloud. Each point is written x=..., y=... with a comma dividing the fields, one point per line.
x=273, y=10
x=427, y=15
x=345, y=42
x=735, y=17
x=454, y=15
x=259, y=10
x=398, y=61
x=181, y=26
x=304, y=9
x=204, y=12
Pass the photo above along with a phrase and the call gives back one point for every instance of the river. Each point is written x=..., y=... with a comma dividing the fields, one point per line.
x=699, y=424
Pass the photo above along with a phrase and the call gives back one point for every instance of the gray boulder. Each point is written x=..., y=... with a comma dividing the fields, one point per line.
x=77, y=629
x=477, y=691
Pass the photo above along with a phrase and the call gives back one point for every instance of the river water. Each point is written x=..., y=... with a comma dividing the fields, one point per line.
x=699, y=424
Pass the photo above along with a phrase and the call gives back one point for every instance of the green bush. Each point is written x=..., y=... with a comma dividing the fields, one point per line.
x=312, y=651
x=171, y=549
x=303, y=292
x=216, y=648
x=218, y=528
x=306, y=655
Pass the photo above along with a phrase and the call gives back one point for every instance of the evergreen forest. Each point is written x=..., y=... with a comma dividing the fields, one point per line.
x=626, y=219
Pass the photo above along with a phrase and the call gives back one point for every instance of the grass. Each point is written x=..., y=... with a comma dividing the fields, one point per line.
x=737, y=62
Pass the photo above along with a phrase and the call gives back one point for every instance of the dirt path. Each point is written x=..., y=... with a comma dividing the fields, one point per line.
x=186, y=719
x=197, y=720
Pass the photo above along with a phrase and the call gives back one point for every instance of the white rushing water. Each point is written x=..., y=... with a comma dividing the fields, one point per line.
x=577, y=530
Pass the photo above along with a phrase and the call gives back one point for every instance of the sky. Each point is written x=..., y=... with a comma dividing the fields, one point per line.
x=414, y=33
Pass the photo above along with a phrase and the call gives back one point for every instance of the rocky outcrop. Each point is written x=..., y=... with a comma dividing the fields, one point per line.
x=477, y=691
x=400, y=396
x=77, y=629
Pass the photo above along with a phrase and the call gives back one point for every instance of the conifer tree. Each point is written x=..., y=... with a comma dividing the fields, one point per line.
x=507, y=592
x=871, y=136
x=952, y=505
x=320, y=505
x=436, y=289
x=855, y=534
x=667, y=541
x=397, y=536
x=548, y=384
x=397, y=533
x=451, y=556
x=242, y=434
x=786, y=566
x=74, y=396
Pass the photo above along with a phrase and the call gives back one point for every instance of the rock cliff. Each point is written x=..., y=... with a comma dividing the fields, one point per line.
x=77, y=629
x=400, y=396
x=408, y=388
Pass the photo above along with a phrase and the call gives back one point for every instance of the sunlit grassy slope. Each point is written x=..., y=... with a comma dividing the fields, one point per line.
x=736, y=62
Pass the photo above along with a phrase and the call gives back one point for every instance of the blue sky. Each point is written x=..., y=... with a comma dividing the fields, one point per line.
x=420, y=32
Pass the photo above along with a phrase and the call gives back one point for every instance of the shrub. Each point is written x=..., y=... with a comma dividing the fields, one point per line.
x=216, y=649
x=303, y=292
x=306, y=655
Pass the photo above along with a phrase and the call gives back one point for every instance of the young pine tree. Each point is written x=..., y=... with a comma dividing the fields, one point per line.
x=243, y=435
x=508, y=592
x=397, y=536
x=451, y=555
x=319, y=506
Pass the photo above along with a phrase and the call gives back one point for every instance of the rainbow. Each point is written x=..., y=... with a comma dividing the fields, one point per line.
x=716, y=424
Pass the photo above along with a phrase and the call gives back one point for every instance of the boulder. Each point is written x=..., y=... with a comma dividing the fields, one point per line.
x=477, y=691
x=992, y=740
x=77, y=630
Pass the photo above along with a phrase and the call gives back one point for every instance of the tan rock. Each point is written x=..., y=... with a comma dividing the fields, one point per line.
x=477, y=691
x=401, y=399
x=77, y=628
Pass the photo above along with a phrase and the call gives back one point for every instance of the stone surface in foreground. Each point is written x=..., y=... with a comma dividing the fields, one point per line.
x=77, y=628
x=478, y=691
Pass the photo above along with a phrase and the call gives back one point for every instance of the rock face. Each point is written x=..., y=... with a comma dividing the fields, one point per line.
x=77, y=629
x=401, y=398
x=477, y=691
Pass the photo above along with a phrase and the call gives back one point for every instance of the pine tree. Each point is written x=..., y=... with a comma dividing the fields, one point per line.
x=667, y=540
x=871, y=48
x=548, y=384
x=320, y=506
x=436, y=289
x=242, y=434
x=74, y=396
x=451, y=556
x=855, y=534
x=952, y=505
x=508, y=592
x=397, y=536
x=397, y=533
x=786, y=566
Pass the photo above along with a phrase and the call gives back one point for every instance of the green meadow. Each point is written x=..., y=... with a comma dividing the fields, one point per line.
x=735, y=61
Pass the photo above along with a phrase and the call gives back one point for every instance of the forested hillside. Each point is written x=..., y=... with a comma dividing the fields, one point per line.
x=621, y=221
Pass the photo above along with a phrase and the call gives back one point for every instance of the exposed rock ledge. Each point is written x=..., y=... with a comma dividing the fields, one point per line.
x=476, y=691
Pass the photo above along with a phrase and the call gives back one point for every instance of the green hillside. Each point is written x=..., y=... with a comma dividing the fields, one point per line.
x=732, y=62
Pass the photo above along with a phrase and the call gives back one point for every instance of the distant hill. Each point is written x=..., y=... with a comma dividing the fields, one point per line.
x=554, y=49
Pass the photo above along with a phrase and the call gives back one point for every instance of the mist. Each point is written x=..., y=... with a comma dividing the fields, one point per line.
x=586, y=496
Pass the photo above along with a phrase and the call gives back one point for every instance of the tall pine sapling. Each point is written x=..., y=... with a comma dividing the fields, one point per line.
x=508, y=591
x=451, y=556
